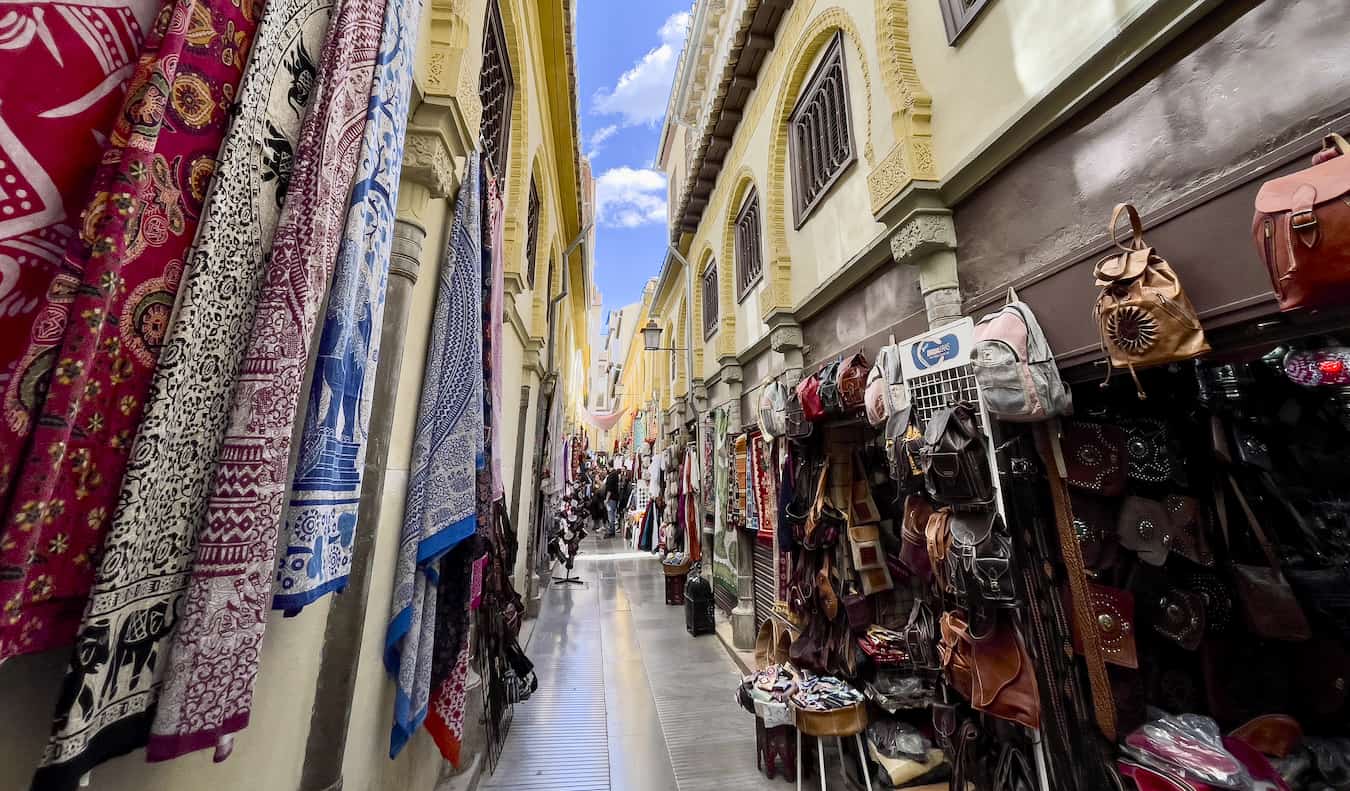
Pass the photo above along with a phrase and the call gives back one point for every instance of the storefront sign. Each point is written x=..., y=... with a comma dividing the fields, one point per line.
x=938, y=350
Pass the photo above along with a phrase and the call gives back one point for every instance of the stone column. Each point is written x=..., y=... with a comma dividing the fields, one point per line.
x=428, y=173
x=926, y=238
x=785, y=337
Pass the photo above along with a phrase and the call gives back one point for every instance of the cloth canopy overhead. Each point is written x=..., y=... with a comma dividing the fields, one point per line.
x=603, y=421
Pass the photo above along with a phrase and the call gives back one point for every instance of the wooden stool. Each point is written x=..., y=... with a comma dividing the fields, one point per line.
x=775, y=749
x=837, y=723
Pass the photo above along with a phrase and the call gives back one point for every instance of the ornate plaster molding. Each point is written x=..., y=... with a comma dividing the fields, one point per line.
x=427, y=160
x=922, y=234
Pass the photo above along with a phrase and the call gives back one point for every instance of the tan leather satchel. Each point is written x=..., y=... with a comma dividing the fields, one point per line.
x=1143, y=314
x=994, y=672
x=1302, y=230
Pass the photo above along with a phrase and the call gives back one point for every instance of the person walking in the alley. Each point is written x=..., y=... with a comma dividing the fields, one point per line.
x=612, y=501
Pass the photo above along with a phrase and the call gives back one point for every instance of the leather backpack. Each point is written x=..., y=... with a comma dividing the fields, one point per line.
x=1302, y=230
x=853, y=383
x=829, y=388
x=808, y=394
x=954, y=458
x=904, y=444
x=1143, y=315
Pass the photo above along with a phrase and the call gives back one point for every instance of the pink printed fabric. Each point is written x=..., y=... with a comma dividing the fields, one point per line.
x=208, y=684
x=52, y=132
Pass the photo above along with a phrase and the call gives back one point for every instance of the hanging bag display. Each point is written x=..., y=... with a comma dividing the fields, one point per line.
x=1019, y=381
x=773, y=411
x=954, y=458
x=886, y=392
x=808, y=393
x=1302, y=230
x=829, y=389
x=904, y=444
x=1143, y=315
x=1271, y=608
x=853, y=383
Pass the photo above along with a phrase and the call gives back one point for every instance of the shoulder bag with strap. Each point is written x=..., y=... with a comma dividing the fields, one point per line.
x=1143, y=314
x=1271, y=608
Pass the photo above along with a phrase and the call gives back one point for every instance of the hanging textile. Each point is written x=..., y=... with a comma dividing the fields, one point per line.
x=187, y=421
x=321, y=520
x=450, y=657
x=724, y=537
x=117, y=282
x=142, y=216
x=52, y=132
x=692, y=524
x=443, y=500
x=766, y=494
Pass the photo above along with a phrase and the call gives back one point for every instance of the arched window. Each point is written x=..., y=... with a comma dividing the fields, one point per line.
x=495, y=86
x=749, y=259
x=710, y=300
x=820, y=135
x=532, y=233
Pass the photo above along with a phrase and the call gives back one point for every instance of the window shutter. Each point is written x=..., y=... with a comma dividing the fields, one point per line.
x=820, y=134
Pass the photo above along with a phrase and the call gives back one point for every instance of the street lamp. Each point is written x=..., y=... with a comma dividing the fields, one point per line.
x=651, y=339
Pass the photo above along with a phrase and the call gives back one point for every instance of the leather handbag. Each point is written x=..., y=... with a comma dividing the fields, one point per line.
x=921, y=638
x=955, y=460
x=1094, y=526
x=829, y=389
x=904, y=445
x=808, y=394
x=853, y=383
x=1143, y=315
x=1188, y=529
x=994, y=673
x=795, y=424
x=1144, y=527
x=1113, y=614
x=913, y=541
x=1149, y=454
x=981, y=552
x=1302, y=230
x=1268, y=602
x=874, y=397
x=1181, y=618
x=938, y=538
x=1325, y=593
x=1094, y=457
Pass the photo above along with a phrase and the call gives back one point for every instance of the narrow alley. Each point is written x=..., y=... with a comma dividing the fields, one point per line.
x=627, y=699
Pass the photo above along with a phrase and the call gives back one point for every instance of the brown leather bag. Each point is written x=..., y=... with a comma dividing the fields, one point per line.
x=994, y=672
x=1268, y=601
x=853, y=383
x=1113, y=609
x=1302, y=230
x=1143, y=314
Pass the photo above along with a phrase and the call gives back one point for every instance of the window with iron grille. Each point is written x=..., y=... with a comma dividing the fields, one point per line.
x=749, y=260
x=531, y=233
x=958, y=14
x=495, y=86
x=710, y=300
x=819, y=132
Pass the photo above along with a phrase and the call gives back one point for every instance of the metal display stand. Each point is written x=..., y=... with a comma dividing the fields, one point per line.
x=938, y=372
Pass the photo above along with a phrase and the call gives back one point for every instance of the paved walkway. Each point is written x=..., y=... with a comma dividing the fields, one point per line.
x=627, y=699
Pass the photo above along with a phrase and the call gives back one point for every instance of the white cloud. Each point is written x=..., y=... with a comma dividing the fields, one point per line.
x=641, y=93
x=628, y=197
x=598, y=138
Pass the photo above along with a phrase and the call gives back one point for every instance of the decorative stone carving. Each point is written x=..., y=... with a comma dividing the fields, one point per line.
x=448, y=35
x=427, y=160
x=786, y=338
x=922, y=234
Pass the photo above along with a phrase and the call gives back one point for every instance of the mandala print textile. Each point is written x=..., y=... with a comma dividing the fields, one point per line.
x=52, y=132
x=188, y=408
x=218, y=643
x=321, y=520
x=117, y=288
x=442, y=504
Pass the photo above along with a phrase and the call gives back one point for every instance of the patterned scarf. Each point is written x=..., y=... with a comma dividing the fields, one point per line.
x=52, y=132
x=443, y=500
x=186, y=418
x=766, y=496
x=321, y=520
x=118, y=289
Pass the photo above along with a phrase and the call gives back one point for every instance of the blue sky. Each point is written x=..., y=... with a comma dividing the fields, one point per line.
x=627, y=51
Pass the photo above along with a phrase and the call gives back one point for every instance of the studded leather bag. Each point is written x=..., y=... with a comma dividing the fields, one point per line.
x=1094, y=457
x=1143, y=315
x=1113, y=615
